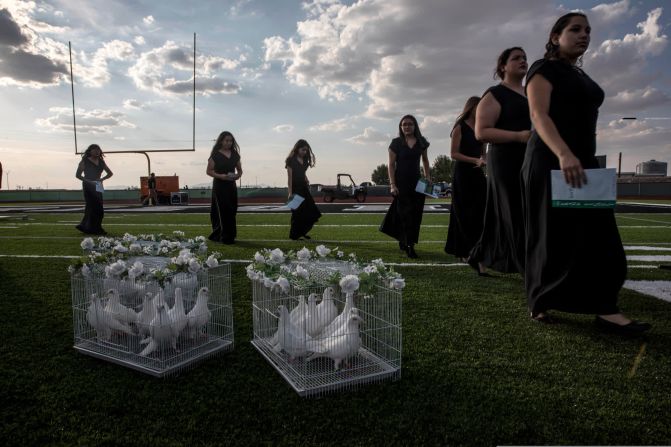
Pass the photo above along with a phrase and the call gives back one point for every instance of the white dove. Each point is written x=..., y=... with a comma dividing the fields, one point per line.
x=118, y=310
x=160, y=332
x=341, y=319
x=159, y=298
x=198, y=317
x=344, y=343
x=313, y=323
x=289, y=338
x=298, y=313
x=146, y=315
x=95, y=315
x=327, y=310
x=177, y=315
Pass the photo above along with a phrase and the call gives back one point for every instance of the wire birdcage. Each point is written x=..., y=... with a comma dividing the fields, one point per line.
x=360, y=343
x=158, y=329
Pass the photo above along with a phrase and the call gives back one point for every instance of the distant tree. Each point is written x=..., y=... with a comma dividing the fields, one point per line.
x=441, y=171
x=380, y=176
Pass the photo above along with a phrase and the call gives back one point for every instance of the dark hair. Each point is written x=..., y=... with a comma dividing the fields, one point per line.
x=418, y=133
x=151, y=173
x=552, y=50
x=503, y=60
x=469, y=109
x=87, y=152
x=310, y=156
x=220, y=140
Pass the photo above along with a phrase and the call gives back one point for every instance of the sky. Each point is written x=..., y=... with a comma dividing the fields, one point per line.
x=339, y=74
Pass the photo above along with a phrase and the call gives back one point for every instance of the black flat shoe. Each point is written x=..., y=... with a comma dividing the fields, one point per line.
x=475, y=265
x=402, y=246
x=542, y=317
x=307, y=237
x=411, y=252
x=632, y=328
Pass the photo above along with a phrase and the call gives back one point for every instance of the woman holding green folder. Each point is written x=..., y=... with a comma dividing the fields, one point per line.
x=575, y=261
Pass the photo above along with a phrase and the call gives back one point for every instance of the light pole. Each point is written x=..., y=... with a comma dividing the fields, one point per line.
x=8, y=181
x=619, y=160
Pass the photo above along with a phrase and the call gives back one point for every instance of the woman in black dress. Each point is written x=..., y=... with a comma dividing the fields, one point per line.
x=224, y=167
x=307, y=214
x=404, y=217
x=502, y=120
x=89, y=171
x=469, y=186
x=575, y=259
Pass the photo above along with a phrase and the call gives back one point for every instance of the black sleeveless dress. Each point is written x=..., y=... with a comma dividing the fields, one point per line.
x=469, y=192
x=94, y=211
x=224, y=205
x=404, y=216
x=307, y=214
x=575, y=259
x=501, y=245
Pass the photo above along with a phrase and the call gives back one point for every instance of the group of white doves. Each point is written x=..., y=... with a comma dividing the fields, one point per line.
x=317, y=330
x=158, y=324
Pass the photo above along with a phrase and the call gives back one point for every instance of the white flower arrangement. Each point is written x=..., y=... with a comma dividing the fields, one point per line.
x=277, y=270
x=109, y=256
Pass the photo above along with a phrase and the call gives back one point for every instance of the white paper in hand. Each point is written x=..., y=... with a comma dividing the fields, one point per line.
x=295, y=201
x=427, y=188
x=99, y=187
x=599, y=192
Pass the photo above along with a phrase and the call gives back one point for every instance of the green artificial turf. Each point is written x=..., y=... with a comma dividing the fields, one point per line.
x=476, y=370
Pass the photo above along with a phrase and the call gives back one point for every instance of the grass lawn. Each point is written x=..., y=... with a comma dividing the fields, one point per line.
x=476, y=370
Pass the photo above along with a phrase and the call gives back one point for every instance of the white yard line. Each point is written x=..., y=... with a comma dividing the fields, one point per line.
x=645, y=258
x=658, y=289
x=645, y=248
x=643, y=220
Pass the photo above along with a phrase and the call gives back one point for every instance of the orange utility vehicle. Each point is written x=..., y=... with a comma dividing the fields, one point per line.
x=165, y=186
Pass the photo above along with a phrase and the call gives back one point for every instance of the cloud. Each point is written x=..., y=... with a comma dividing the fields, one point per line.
x=169, y=70
x=96, y=121
x=139, y=40
x=628, y=101
x=609, y=12
x=336, y=125
x=148, y=20
x=283, y=128
x=133, y=104
x=10, y=31
x=370, y=136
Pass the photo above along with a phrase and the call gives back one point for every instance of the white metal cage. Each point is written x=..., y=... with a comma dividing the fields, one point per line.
x=153, y=328
x=316, y=359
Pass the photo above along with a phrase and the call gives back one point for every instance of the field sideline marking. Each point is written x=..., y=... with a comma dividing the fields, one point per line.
x=643, y=220
x=637, y=360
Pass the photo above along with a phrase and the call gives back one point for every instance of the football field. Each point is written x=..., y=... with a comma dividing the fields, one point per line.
x=476, y=370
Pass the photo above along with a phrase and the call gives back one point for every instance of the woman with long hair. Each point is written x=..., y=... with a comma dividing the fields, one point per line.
x=224, y=168
x=306, y=214
x=502, y=120
x=404, y=216
x=469, y=186
x=575, y=259
x=89, y=171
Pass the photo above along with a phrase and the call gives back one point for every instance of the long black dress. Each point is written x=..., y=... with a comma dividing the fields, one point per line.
x=501, y=245
x=469, y=192
x=224, y=199
x=93, y=212
x=404, y=216
x=307, y=214
x=575, y=259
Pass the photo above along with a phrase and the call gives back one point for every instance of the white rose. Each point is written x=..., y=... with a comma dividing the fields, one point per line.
x=115, y=269
x=200, y=239
x=129, y=237
x=277, y=256
x=178, y=233
x=268, y=283
x=87, y=244
x=398, y=283
x=340, y=254
x=349, y=283
x=303, y=254
x=135, y=247
x=322, y=251
x=258, y=257
x=164, y=250
x=212, y=261
x=147, y=250
x=283, y=283
x=194, y=265
x=251, y=273
x=300, y=271
x=71, y=269
x=202, y=248
x=86, y=271
x=120, y=248
x=370, y=269
x=185, y=252
x=136, y=270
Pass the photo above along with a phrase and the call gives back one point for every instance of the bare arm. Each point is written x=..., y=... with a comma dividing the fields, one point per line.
x=539, y=90
x=79, y=173
x=426, y=165
x=210, y=171
x=454, y=149
x=108, y=173
x=391, y=170
x=486, y=116
x=238, y=170
x=289, y=181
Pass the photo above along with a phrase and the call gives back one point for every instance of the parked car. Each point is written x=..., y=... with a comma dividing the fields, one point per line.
x=445, y=189
x=345, y=188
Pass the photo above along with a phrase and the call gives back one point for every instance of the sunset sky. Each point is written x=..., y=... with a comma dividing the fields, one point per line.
x=337, y=73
